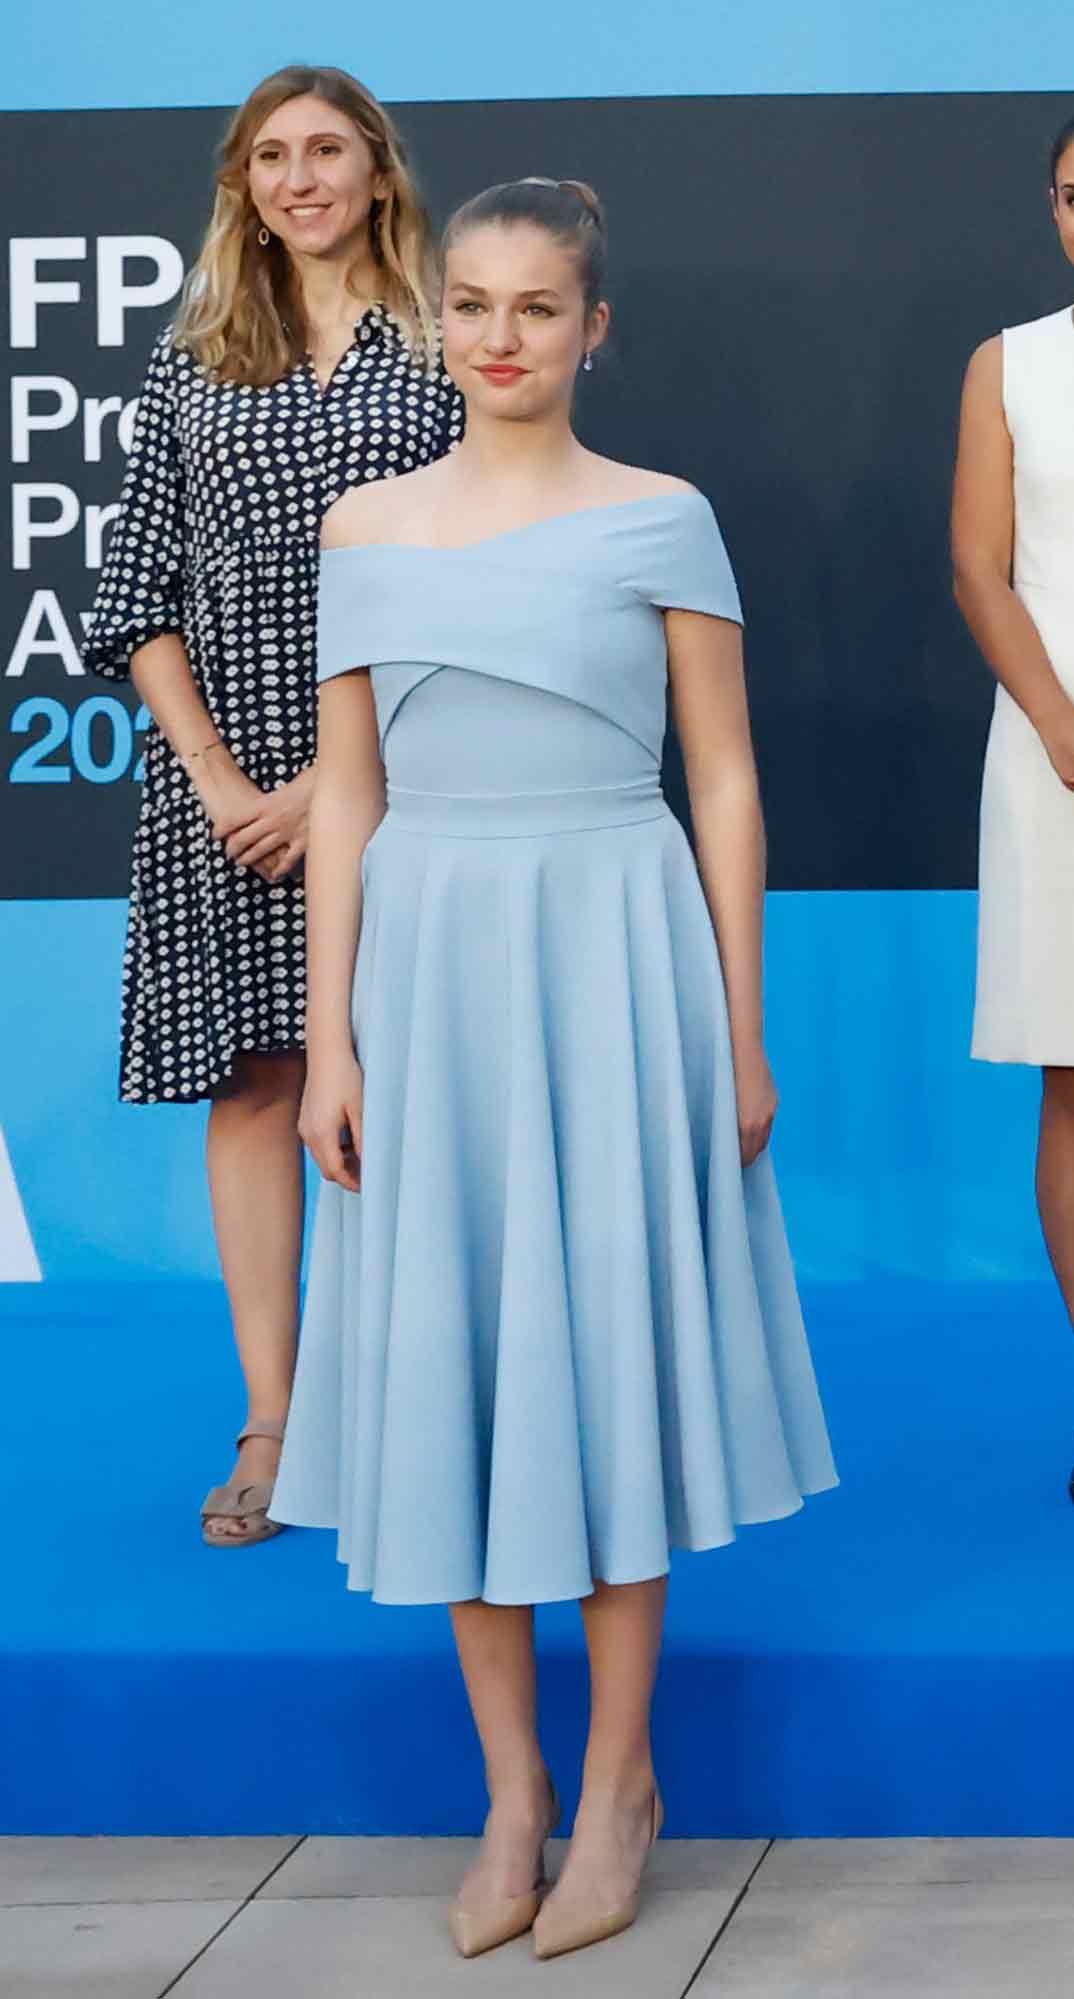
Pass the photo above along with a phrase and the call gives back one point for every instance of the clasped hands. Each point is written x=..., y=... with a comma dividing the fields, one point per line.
x=262, y=830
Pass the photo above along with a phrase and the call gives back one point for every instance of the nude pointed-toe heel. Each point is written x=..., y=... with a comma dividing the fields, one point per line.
x=494, y=1922
x=556, y=1932
x=501, y=1917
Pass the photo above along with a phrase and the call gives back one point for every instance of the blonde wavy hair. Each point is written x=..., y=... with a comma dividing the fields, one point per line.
x=242, y=315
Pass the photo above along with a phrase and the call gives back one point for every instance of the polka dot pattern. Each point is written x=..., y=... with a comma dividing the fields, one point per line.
x=218, y=540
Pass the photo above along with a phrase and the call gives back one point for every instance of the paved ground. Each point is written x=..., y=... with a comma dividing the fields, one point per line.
x=363, y=1919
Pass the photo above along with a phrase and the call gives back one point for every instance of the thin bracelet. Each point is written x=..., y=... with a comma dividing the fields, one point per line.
x=190, y=755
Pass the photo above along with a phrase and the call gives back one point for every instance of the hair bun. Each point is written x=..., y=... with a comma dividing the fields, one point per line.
x=588, y=197
x=568, y=210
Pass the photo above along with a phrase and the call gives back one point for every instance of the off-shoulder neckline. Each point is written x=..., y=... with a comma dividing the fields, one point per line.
x=511, y=534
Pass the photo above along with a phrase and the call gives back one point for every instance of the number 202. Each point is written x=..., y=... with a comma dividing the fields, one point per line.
x=30, y=766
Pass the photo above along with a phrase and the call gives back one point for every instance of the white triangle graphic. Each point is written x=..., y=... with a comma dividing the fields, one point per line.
x=18, y=1257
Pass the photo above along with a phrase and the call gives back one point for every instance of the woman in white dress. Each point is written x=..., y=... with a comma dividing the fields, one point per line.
x=1013, y=544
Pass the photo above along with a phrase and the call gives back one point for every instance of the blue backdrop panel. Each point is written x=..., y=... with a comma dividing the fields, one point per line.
x=895, y=1151
x=107, y=1189
x=895, y=1659
x=117, y=53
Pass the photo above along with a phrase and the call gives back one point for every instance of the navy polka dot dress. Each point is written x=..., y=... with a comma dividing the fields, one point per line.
x=218, y=540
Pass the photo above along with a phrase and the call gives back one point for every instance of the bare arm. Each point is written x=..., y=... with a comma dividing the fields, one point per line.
x=161, y=673
x=708, y=694
x=348, y=805
x=260, y=828
x=982, y=542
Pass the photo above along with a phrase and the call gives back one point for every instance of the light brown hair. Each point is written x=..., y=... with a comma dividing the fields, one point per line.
x=242, y=315
x=568, y=209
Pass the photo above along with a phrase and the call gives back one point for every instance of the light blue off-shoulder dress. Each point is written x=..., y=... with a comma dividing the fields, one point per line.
x=557, y=1333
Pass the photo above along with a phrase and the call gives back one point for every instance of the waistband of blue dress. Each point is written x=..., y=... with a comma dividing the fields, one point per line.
x=497, y=815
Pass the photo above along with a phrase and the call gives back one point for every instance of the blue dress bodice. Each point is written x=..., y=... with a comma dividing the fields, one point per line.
x=532, y=659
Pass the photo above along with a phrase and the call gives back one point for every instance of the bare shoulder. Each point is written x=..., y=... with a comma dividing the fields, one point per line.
x=354, y=519
x=379, y=511
x=984, y=373
x=636, y=482
x=984, y=432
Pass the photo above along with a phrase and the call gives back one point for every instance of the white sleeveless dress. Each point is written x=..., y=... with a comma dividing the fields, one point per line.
x=1025, y=954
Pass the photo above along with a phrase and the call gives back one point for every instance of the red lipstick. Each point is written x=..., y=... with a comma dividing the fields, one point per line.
x=502, y=374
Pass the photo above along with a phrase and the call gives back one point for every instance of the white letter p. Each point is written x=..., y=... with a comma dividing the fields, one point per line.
x=115, y=296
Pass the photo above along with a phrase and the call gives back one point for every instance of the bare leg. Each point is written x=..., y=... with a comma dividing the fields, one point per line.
x=257, y=1187
x=623, y=1626
x=495, y=1645
x=1055, y=1177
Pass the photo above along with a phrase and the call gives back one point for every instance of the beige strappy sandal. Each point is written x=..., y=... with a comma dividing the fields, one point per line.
x=243, y=1502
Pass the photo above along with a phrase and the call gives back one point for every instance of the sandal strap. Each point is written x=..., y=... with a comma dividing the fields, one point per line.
x=237, y=1502
x=260, y=1427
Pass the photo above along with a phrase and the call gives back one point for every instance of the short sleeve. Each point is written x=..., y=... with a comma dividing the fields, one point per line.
x=339, y=638
x=139, y=595
x=687, y=565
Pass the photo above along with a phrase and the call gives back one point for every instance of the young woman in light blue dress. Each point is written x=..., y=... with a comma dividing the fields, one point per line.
x=552, y=1328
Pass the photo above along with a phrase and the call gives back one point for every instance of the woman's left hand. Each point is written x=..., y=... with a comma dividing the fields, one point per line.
x=274, y=841
x=758, y=1102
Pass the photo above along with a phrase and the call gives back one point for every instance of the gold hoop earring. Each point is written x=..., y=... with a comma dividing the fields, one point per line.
x=263, y=237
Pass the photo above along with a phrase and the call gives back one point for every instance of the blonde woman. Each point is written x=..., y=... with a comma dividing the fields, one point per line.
x=304, y=361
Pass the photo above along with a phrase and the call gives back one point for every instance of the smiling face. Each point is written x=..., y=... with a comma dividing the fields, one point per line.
x=515, y=322
x=313, y=178
x=1063, y=200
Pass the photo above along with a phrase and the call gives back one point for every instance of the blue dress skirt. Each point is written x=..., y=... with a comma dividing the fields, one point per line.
x=557, y=1332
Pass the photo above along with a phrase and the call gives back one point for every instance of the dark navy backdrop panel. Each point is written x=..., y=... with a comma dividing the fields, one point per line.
x=798, y=284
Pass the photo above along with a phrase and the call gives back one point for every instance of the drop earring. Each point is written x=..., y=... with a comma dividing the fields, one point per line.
x=587, y=364
x=263, y=237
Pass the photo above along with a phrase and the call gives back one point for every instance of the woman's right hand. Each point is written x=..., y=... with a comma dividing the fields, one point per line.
x=231, y=801
x=330, y=1121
